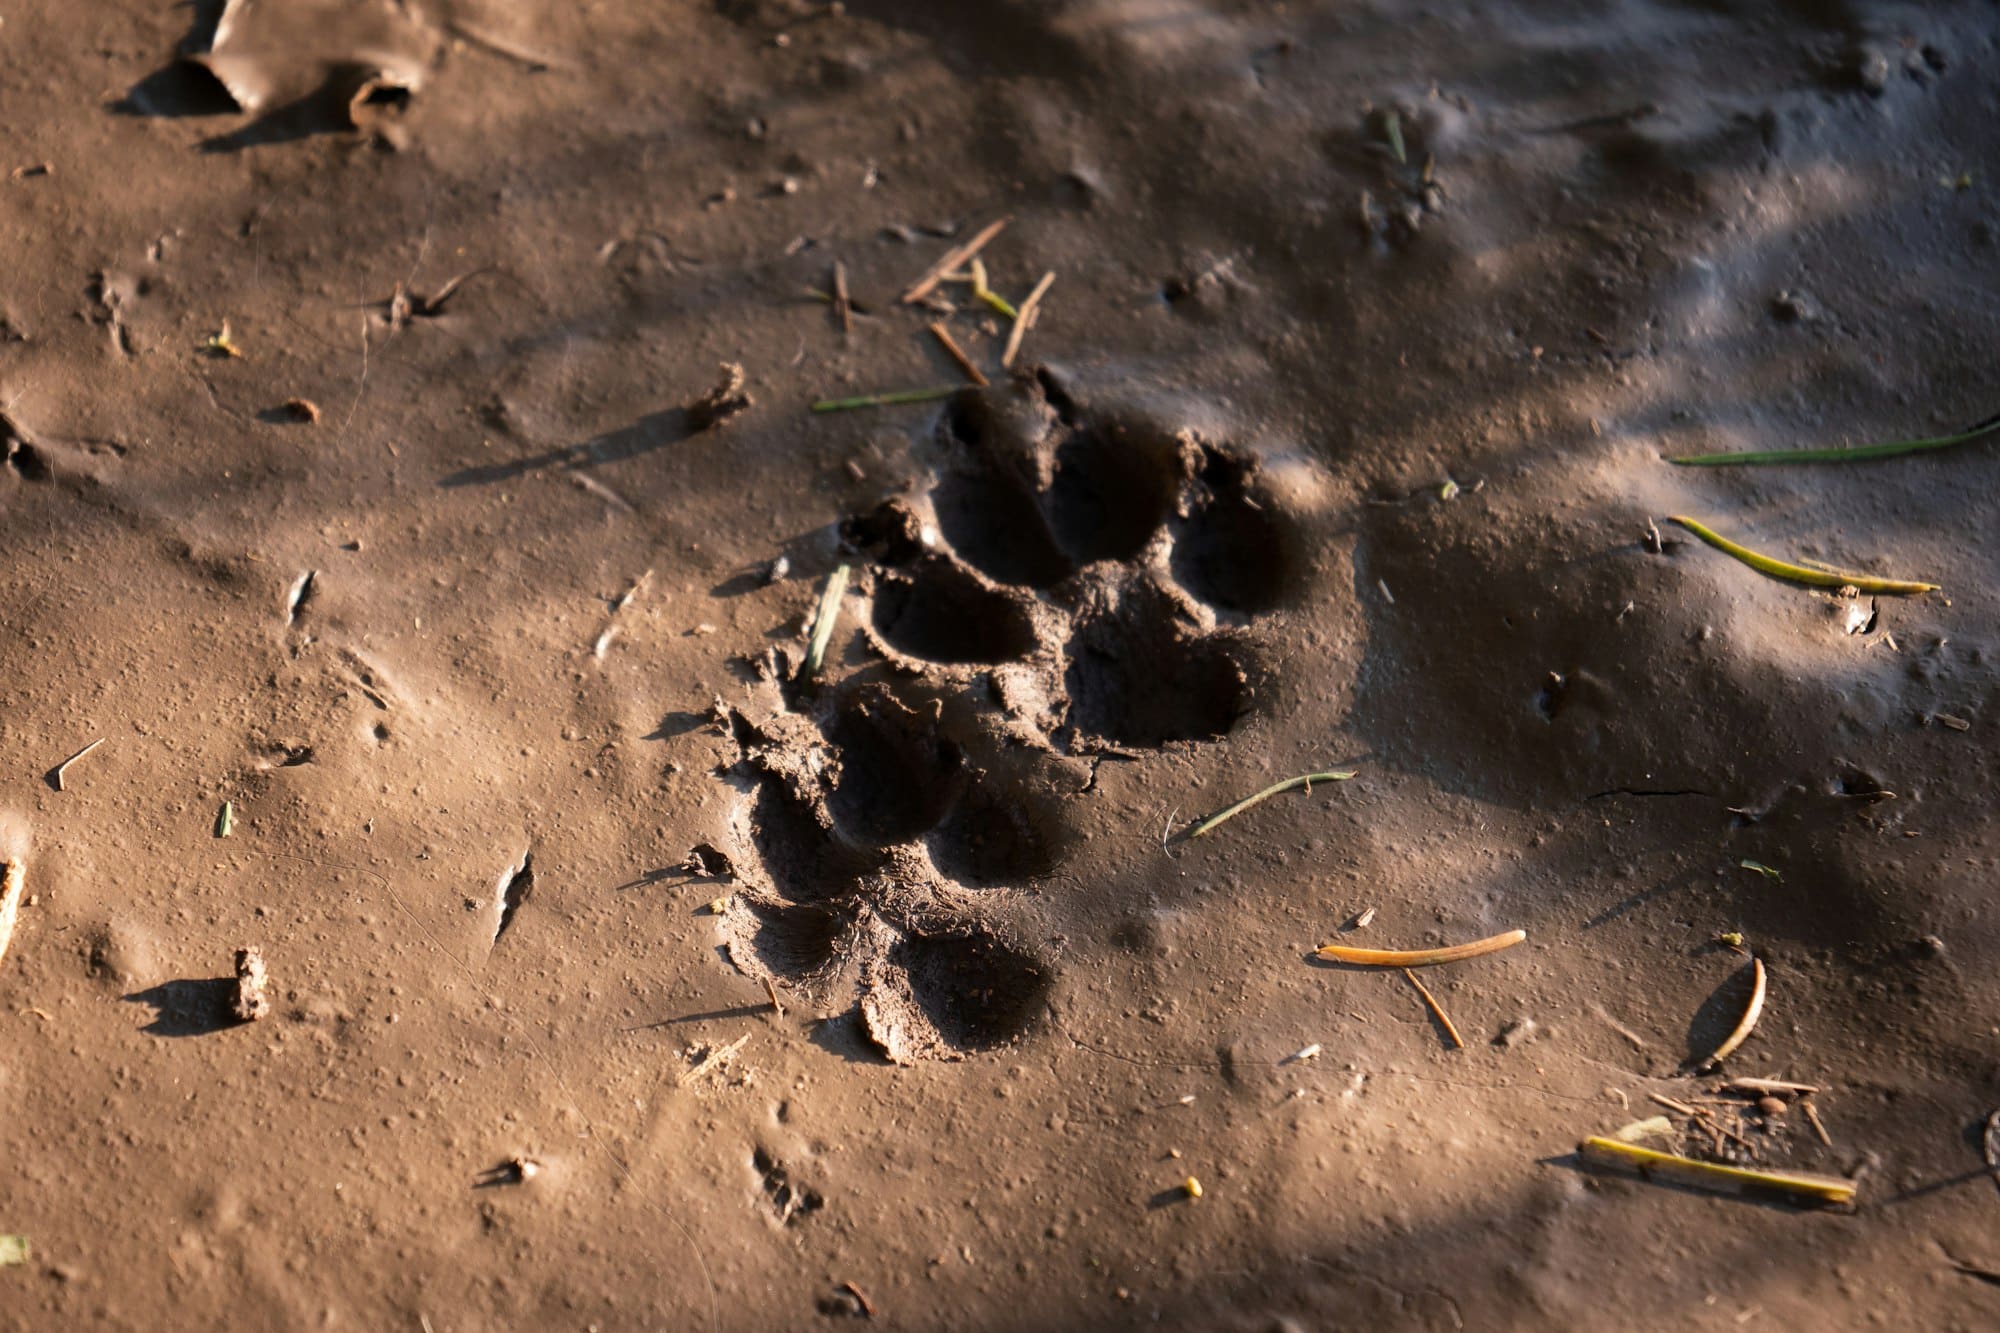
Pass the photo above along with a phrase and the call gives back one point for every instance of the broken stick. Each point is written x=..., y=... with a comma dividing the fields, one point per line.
x=1457, y=1042
x=64, y=765
x=1031, y=310
x=952, y=259
x=958, y=356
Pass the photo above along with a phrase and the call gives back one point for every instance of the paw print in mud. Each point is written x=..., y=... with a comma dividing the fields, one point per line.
x=1062, y=587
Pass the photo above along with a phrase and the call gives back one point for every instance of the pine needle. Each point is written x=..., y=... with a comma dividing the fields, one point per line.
x=1304, y=780
x=885, y=399
x=1859, y=454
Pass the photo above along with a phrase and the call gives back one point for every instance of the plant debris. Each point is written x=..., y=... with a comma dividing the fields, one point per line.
x=843, y=304
x=1796, y=1187
x=951, y=349
x=1304, y=780
x=1450, y=1030
x=1817, y=578
x=823, y=622
x=220, y=345
x=1340, y=953
x=720, y=403
x=1024, y=319
x=13, y=1250
x=1760, y=868
x=986, y=296
x=63, y=767
x=1744, y=1025
x=1653, y=1127
x=889, y=399
x=1859, y=454
x=712, y=1059
x=225, y=820
x=951, y=260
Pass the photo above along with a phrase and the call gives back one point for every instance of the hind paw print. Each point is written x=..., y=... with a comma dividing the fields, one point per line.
x=1067, y=585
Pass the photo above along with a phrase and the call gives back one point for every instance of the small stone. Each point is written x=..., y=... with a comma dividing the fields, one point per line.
x=1871, y=70
x=1795, y=307
x=250, y=1003
x=1771, y=1106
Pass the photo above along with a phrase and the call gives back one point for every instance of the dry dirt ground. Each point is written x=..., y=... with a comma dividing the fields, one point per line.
x=1319, y=455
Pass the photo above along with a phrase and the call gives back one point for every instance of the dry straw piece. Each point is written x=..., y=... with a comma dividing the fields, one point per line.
x=1340, y=953
x=1790, y=1186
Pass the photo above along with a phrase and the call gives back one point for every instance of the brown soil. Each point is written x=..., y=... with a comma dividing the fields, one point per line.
x=452, y=570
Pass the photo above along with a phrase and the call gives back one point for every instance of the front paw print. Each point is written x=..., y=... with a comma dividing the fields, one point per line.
x=1066, y=586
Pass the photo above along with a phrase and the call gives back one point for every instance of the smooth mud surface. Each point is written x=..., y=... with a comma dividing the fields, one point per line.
x=369, y=473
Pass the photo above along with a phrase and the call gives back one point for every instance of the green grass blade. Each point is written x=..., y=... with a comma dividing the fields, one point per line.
x=1859, y=454
x=1791, y=573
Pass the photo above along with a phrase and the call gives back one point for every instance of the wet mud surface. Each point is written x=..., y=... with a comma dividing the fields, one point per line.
x=365, y=478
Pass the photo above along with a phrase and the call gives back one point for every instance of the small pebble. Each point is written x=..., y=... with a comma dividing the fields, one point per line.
x=1771, y=1106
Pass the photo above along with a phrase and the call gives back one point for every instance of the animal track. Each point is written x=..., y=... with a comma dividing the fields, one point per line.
x=1067, y=584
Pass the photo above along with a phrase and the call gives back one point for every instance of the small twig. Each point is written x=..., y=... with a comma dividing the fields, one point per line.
x=953, y=257
x=1304, y=780
x=1812, y=1118
x=1672, y=1105
x=714, y=1058
x=1861, y=454
x=1792, y=1186
x=860, y=1298
x=624, y=599
x=823, y=621
x=771, y=989
x=1793, y=573
x=64, y=765
x=843, y=308
x=1031, y=310
x=1339, y=953
x=1437, y=1009
x=885, y=399
x=1745, y=1025
x=1760, y=1086
x=957, y=354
